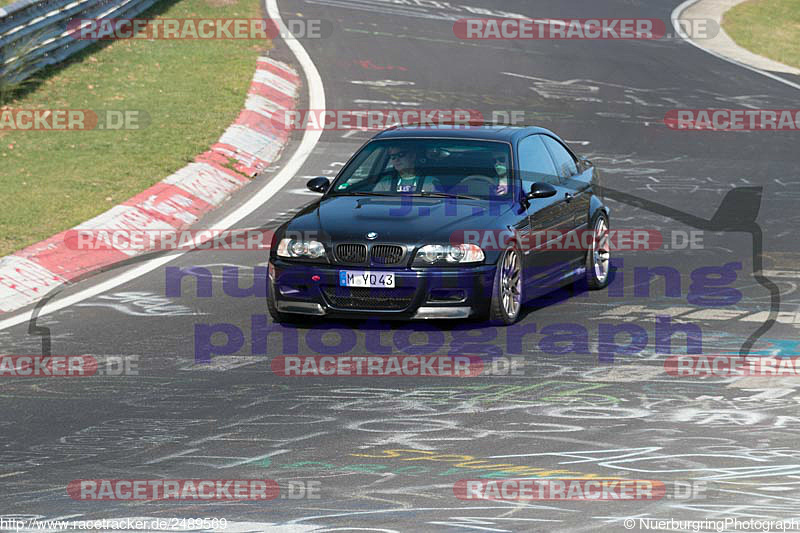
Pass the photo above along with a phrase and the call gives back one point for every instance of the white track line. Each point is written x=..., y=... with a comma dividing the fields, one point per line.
x=310, y=138
x=676, y=13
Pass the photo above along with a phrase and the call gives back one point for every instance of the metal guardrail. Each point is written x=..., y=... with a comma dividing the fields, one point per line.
x=34, y=33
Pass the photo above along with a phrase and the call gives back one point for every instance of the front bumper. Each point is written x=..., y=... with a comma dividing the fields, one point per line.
x=419, y=293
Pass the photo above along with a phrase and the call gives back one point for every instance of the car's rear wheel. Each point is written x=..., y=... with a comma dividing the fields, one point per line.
x=598, y=257
x=506, y=303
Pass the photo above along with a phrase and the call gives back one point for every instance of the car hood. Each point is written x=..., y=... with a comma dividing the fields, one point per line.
x=400, y=220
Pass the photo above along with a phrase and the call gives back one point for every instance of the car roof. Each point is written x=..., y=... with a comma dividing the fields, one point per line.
x=483, y=132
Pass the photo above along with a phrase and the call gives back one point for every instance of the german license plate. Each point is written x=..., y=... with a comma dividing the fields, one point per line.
x=358, y=278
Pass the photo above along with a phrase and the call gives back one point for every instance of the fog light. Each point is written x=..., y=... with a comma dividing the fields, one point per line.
x=447, y=295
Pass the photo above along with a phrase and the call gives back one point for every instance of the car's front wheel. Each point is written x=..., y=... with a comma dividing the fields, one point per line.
x=599, y=255
x=506, y=303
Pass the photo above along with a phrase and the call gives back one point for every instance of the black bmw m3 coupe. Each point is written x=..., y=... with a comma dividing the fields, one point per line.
x=443, y=222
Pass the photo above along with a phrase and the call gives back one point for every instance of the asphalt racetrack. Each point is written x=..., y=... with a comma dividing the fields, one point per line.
x=380, y=453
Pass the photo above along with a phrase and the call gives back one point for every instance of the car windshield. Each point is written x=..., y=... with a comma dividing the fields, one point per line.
x=429, y=167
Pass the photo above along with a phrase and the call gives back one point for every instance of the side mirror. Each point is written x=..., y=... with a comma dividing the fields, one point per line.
x=541, y=189
x=585, y=163
x=318, y=184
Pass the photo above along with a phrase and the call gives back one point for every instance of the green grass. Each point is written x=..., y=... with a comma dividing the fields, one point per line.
x=770, y=28
x=192, y=90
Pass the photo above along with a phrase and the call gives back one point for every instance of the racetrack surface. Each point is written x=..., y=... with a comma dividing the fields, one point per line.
x=569, y=412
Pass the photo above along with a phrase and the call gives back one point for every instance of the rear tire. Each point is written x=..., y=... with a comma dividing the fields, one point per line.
x=598, y=257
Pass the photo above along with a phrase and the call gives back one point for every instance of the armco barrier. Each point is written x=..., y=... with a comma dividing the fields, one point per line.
x=249, y=145
x=34, y=34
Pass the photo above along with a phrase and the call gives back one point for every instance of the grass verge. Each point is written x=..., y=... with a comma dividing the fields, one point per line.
x=770, y=28
x=191, y=90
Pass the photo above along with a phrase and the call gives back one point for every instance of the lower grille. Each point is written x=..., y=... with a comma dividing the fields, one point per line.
x=363, y=298
x=352, y=253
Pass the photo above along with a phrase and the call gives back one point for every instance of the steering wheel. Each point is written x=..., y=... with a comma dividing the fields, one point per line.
x=480, y=178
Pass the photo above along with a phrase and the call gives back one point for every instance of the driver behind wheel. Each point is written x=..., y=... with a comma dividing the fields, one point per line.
x=404, y=177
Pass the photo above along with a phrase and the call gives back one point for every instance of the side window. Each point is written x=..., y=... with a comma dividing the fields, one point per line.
x=563, y=159
x=535, y=163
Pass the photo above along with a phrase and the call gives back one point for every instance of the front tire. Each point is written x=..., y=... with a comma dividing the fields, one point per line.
x=506, y=303
x=598, y=257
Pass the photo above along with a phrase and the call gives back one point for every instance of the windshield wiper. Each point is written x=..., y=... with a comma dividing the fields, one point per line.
x=407, y=194
x=363, y=193
x=447, y=195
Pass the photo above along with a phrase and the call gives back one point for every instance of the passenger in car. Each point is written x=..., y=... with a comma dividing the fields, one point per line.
x=487, y=175
x=501, y=168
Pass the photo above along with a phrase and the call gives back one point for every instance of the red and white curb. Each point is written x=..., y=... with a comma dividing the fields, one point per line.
x=250, y=145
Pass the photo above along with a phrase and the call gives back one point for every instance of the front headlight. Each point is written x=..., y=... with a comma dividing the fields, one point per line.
x=438, y=254
x=297, y=249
